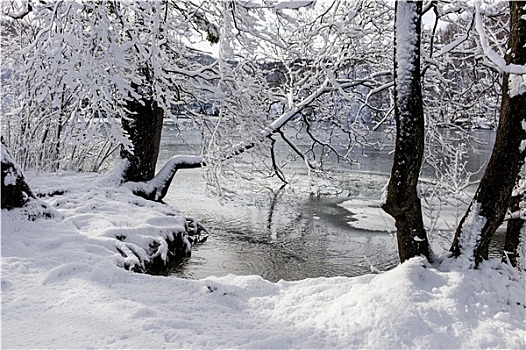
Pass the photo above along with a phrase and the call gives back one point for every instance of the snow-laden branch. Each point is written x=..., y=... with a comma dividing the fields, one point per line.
x=449, y=47
x=285, y=117
x=198, y=73
x=379, y=89
x=156, y=188
x=277, y=124
x=294, y=5
x=24, y=11
x=295, y=148
x=280, y=121
x=494, y=57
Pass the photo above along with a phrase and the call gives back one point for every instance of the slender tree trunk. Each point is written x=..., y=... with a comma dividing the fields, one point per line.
x=144, y=126
x=402, y=198
x=492, y=199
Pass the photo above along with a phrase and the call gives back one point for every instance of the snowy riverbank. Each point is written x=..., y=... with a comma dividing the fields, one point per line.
x=63, y=287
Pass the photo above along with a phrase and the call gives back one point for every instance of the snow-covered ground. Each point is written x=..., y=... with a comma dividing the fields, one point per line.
x=63, y=286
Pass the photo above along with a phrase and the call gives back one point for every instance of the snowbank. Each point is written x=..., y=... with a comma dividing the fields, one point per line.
x=367, y=214
x=63, y=287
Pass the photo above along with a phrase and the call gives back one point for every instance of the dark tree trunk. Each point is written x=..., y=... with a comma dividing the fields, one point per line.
x=15, y=190
x=144, y=125
x=402, y=199
x=513, y=232
x=492, y=199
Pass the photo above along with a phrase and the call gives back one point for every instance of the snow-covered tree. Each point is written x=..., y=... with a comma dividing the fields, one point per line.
x=402, y=200
x=90, y=77
x=85, y=81
x=460, y=86
x=321, y=76
x=492, y=199
x=84, y=74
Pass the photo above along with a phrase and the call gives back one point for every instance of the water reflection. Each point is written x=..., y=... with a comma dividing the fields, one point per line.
x=279, y=234
x=289, y=238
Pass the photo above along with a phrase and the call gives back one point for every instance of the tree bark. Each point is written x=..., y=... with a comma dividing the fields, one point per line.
x=402, y=198
x=492, y=198
x=15, y=190
x=513, y=232
x=143, y=125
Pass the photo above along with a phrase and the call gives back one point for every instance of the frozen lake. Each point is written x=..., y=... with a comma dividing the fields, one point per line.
x=289, y=234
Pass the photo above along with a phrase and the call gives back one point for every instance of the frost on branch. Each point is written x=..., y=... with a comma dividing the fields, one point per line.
x=494, y=57
x=294, y=5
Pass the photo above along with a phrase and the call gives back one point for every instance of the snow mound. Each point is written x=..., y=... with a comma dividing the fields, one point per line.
x=93, y=208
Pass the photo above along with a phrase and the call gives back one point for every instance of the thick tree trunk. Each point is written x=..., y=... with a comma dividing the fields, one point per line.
x=402, y=198
x=492, y=199
x=144, y=126
x=15, y=190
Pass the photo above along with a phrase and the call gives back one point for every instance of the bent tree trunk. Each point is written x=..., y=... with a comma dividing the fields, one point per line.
x=15, y=190
x=402, y=199
x=143, y=125
x=492, y=199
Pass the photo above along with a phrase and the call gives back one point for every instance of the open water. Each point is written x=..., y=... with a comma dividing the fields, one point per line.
x=288, y=233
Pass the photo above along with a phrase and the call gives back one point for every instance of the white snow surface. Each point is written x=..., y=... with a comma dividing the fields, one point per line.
x=63, y=287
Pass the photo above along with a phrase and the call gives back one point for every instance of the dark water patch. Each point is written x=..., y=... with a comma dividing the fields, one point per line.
x=289, y=239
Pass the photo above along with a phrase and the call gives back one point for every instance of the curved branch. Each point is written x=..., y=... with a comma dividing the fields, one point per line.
x=494, y=57
x=22, y=13
x=298, y=151
x=275, y=166
x=156, y=188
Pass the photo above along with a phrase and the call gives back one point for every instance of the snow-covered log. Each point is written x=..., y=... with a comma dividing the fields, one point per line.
x=156, y=188
x=16, y=192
